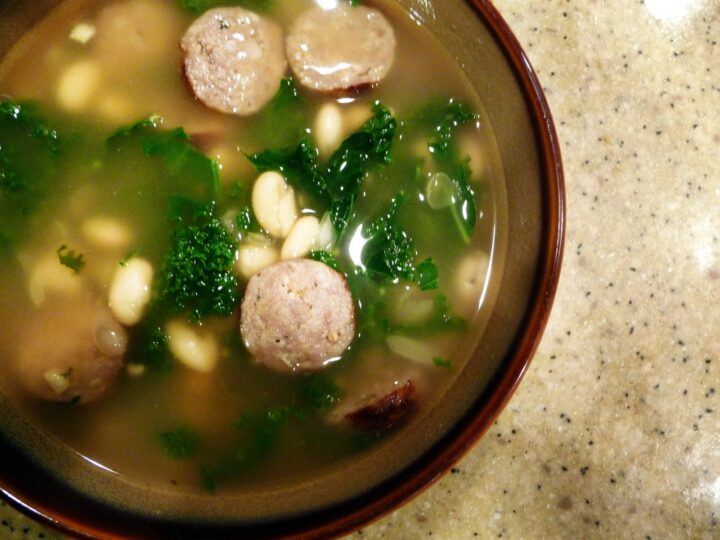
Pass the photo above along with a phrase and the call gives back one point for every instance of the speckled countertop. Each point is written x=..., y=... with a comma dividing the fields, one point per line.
x=615, y=431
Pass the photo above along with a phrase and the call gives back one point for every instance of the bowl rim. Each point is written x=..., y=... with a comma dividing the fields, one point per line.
x=454, y=445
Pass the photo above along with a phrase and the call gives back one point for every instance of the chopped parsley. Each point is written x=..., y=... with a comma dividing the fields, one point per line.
x=67, y=257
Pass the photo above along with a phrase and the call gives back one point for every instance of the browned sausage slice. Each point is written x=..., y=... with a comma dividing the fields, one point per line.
x=297, y=316
x=341, y=48
x=387, y=411
x=235, y=59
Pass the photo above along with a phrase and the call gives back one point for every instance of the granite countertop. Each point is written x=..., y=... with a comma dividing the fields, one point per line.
x=615, y=431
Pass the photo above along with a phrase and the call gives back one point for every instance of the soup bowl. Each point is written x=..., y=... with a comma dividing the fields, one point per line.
x=57, y=486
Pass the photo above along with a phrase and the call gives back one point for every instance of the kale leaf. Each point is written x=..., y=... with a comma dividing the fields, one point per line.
x=321, y=392
x=441, y=118
x=199, y=6
x=181, y=443
x=67, y=257
x=261, y=430
x=148, y=345
x=442, y=362
x=193, y=173
x=299, y=165
x=29, y=153
x=337, y=184
x=326, y=258
x=197, y=274
x=427, y=275
x=390, y=252
x=282, y=121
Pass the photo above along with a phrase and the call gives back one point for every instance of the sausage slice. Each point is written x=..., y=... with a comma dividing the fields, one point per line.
x=71, y=352
x=234, y=59
x=297, y=316
x=341, y=48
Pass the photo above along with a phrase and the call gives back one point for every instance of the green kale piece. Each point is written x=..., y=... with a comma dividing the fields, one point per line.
x=390, y=252
x=337, y=184
x=149, y=345
x=321, y=392
x=326, y=258
x=179, y=444
x=199, y=6
x=29, y=154
x=245, y=219
x=441, y=320
x=67, y=257
x=442, y=362
x=261, y=430
x=427, y=275
x=368, y=146
x=300, y=166
x=441, y=118
x=197, y=274
x=283, y=120
x=25, y=114
x=193, y=173
x=154, y=121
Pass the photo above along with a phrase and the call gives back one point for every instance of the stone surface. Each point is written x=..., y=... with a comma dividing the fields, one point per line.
x=615, y=431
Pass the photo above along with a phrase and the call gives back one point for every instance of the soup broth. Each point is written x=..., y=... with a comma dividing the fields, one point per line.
x=97, y=188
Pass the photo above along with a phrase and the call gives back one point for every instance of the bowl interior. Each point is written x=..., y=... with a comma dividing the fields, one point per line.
x=529, y=231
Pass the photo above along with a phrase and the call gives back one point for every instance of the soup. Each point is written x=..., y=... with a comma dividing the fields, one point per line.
x=144, y=195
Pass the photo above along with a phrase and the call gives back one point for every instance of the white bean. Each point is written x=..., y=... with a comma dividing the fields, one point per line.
x=58, y=379
x=410, y=306
x=273, y=202
x=130, y=291
x=301, y=239
x=326, y=234
x=470, y=278
x=106, y=233
x=412, y=349
x=328, y=128
x=190, y=346
x=252, y=257
x=78, y=85
x=82, y=33
x=471, y=147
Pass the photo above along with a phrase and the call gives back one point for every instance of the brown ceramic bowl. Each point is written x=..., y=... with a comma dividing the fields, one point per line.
x=71, y=495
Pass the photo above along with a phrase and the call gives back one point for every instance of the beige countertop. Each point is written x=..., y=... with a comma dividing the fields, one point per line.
x=615, y=431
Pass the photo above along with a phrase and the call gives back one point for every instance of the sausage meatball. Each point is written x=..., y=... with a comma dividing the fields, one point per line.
x=297, y=316
x=234, y=59
x=72, y=351
x=341, y=48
